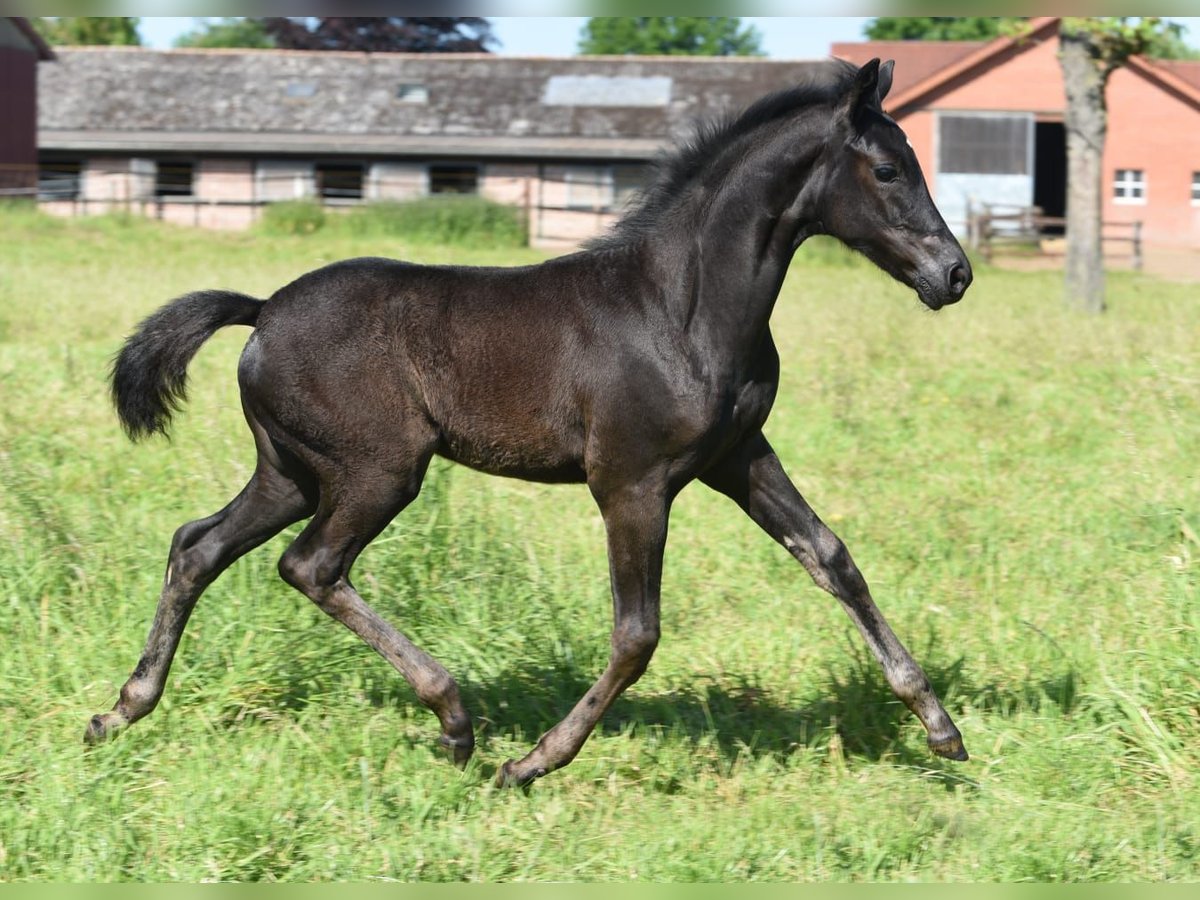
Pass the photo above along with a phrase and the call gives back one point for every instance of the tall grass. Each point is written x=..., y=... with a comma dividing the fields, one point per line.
x=1018, y=483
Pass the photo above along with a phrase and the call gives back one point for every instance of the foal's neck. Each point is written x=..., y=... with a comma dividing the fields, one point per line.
x=732, y=242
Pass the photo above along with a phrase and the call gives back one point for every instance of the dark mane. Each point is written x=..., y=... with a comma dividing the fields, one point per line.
x=674, y=169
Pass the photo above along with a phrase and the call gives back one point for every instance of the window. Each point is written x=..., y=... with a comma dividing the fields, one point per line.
x=1129, y=186
x=300, y=90
x=340, y=181
x=627, y=181
x=589, y=187
x=412, y=93
x=454, y=179
x=281, y=179
x=1196, y=189
x=602, y=188
x=607, y=90
x=173, y=179
x=984, y=145
x=60, y=179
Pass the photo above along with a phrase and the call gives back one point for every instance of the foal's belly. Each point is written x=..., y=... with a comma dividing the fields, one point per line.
x=515, y=464
x=513, y=449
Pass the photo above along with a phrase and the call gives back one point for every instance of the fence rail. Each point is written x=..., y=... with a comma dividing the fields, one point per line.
x=1024, y=230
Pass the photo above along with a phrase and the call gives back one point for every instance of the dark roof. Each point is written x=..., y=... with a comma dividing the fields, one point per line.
x=276, y=101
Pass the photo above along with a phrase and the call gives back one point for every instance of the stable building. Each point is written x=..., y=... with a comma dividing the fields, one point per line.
x=986, y=120
x=21, y=48
x=207, y=137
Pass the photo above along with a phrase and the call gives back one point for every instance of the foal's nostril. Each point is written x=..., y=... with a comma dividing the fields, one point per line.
x=957, y=279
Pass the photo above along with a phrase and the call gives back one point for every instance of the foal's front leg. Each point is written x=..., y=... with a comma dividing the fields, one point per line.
x=753, y=477
x=635, y=518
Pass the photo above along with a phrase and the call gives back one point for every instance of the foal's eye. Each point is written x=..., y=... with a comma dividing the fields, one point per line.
x=886, y=173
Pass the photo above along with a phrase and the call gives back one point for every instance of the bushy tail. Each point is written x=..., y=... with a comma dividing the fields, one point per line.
x=149, y=375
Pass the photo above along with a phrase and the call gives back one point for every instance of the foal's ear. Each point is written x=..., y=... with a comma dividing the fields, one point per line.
x=885, y=78
x=862, y=93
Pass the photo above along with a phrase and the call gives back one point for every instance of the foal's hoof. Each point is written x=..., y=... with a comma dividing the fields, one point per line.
x=458, y=749
x=949, y=746
x=509, y=777
x=102, y=728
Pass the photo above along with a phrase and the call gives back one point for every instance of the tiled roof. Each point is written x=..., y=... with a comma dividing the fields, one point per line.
x=1185, y=70
x=915, y=60
x=104, y=93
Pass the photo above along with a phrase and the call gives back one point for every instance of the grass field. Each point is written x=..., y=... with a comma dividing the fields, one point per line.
x=1018, y=483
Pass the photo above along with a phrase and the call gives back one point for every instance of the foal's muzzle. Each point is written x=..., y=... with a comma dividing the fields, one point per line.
x=958, y=279
x=946, y=287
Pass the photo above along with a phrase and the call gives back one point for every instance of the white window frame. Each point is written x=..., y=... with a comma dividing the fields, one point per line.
x=1123, y=180
x=598, y=184
x=299, y=175
x=1195, y=187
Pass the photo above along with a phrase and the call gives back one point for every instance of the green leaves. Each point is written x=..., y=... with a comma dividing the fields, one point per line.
x=1113, y=39
x=89, y=30
x=938, y=28
x=669, y=36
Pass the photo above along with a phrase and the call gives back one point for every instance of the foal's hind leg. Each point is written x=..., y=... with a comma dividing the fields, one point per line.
x=200, y=551
x=318, y=564
x=753, y=477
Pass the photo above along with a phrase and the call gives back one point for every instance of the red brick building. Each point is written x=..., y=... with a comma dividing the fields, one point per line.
x=986, y=121
x=20, y=49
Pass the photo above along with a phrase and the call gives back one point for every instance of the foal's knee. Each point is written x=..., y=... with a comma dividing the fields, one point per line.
x=833, y=568
x=633, y=646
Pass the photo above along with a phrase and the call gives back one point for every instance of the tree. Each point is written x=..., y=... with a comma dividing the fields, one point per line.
x=89, y=30
x=382, y=34
x=1090, y=50
x=669, y=36
x=1166, y=43
x=227, y=32
x=939, y=28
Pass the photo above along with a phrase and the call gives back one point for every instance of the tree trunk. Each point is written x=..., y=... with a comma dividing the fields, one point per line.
x=1084, y=76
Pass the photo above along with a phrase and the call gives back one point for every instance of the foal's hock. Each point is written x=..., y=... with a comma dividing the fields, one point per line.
x=637, y=365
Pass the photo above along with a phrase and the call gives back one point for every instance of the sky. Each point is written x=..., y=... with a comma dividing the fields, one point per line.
x=782, y=37
x=794, y=37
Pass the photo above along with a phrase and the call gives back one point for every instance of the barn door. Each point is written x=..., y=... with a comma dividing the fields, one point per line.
x=983, y=158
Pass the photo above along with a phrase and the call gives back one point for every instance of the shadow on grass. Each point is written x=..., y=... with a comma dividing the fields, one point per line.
x=853, y=707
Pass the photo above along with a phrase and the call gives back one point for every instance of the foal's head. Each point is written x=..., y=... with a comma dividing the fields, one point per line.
x=876, y=200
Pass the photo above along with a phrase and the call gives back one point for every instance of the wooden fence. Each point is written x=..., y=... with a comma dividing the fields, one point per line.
x=1027, y=231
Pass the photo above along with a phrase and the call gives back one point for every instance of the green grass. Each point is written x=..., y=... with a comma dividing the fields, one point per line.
x=1017, y=482
x=464, y=221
